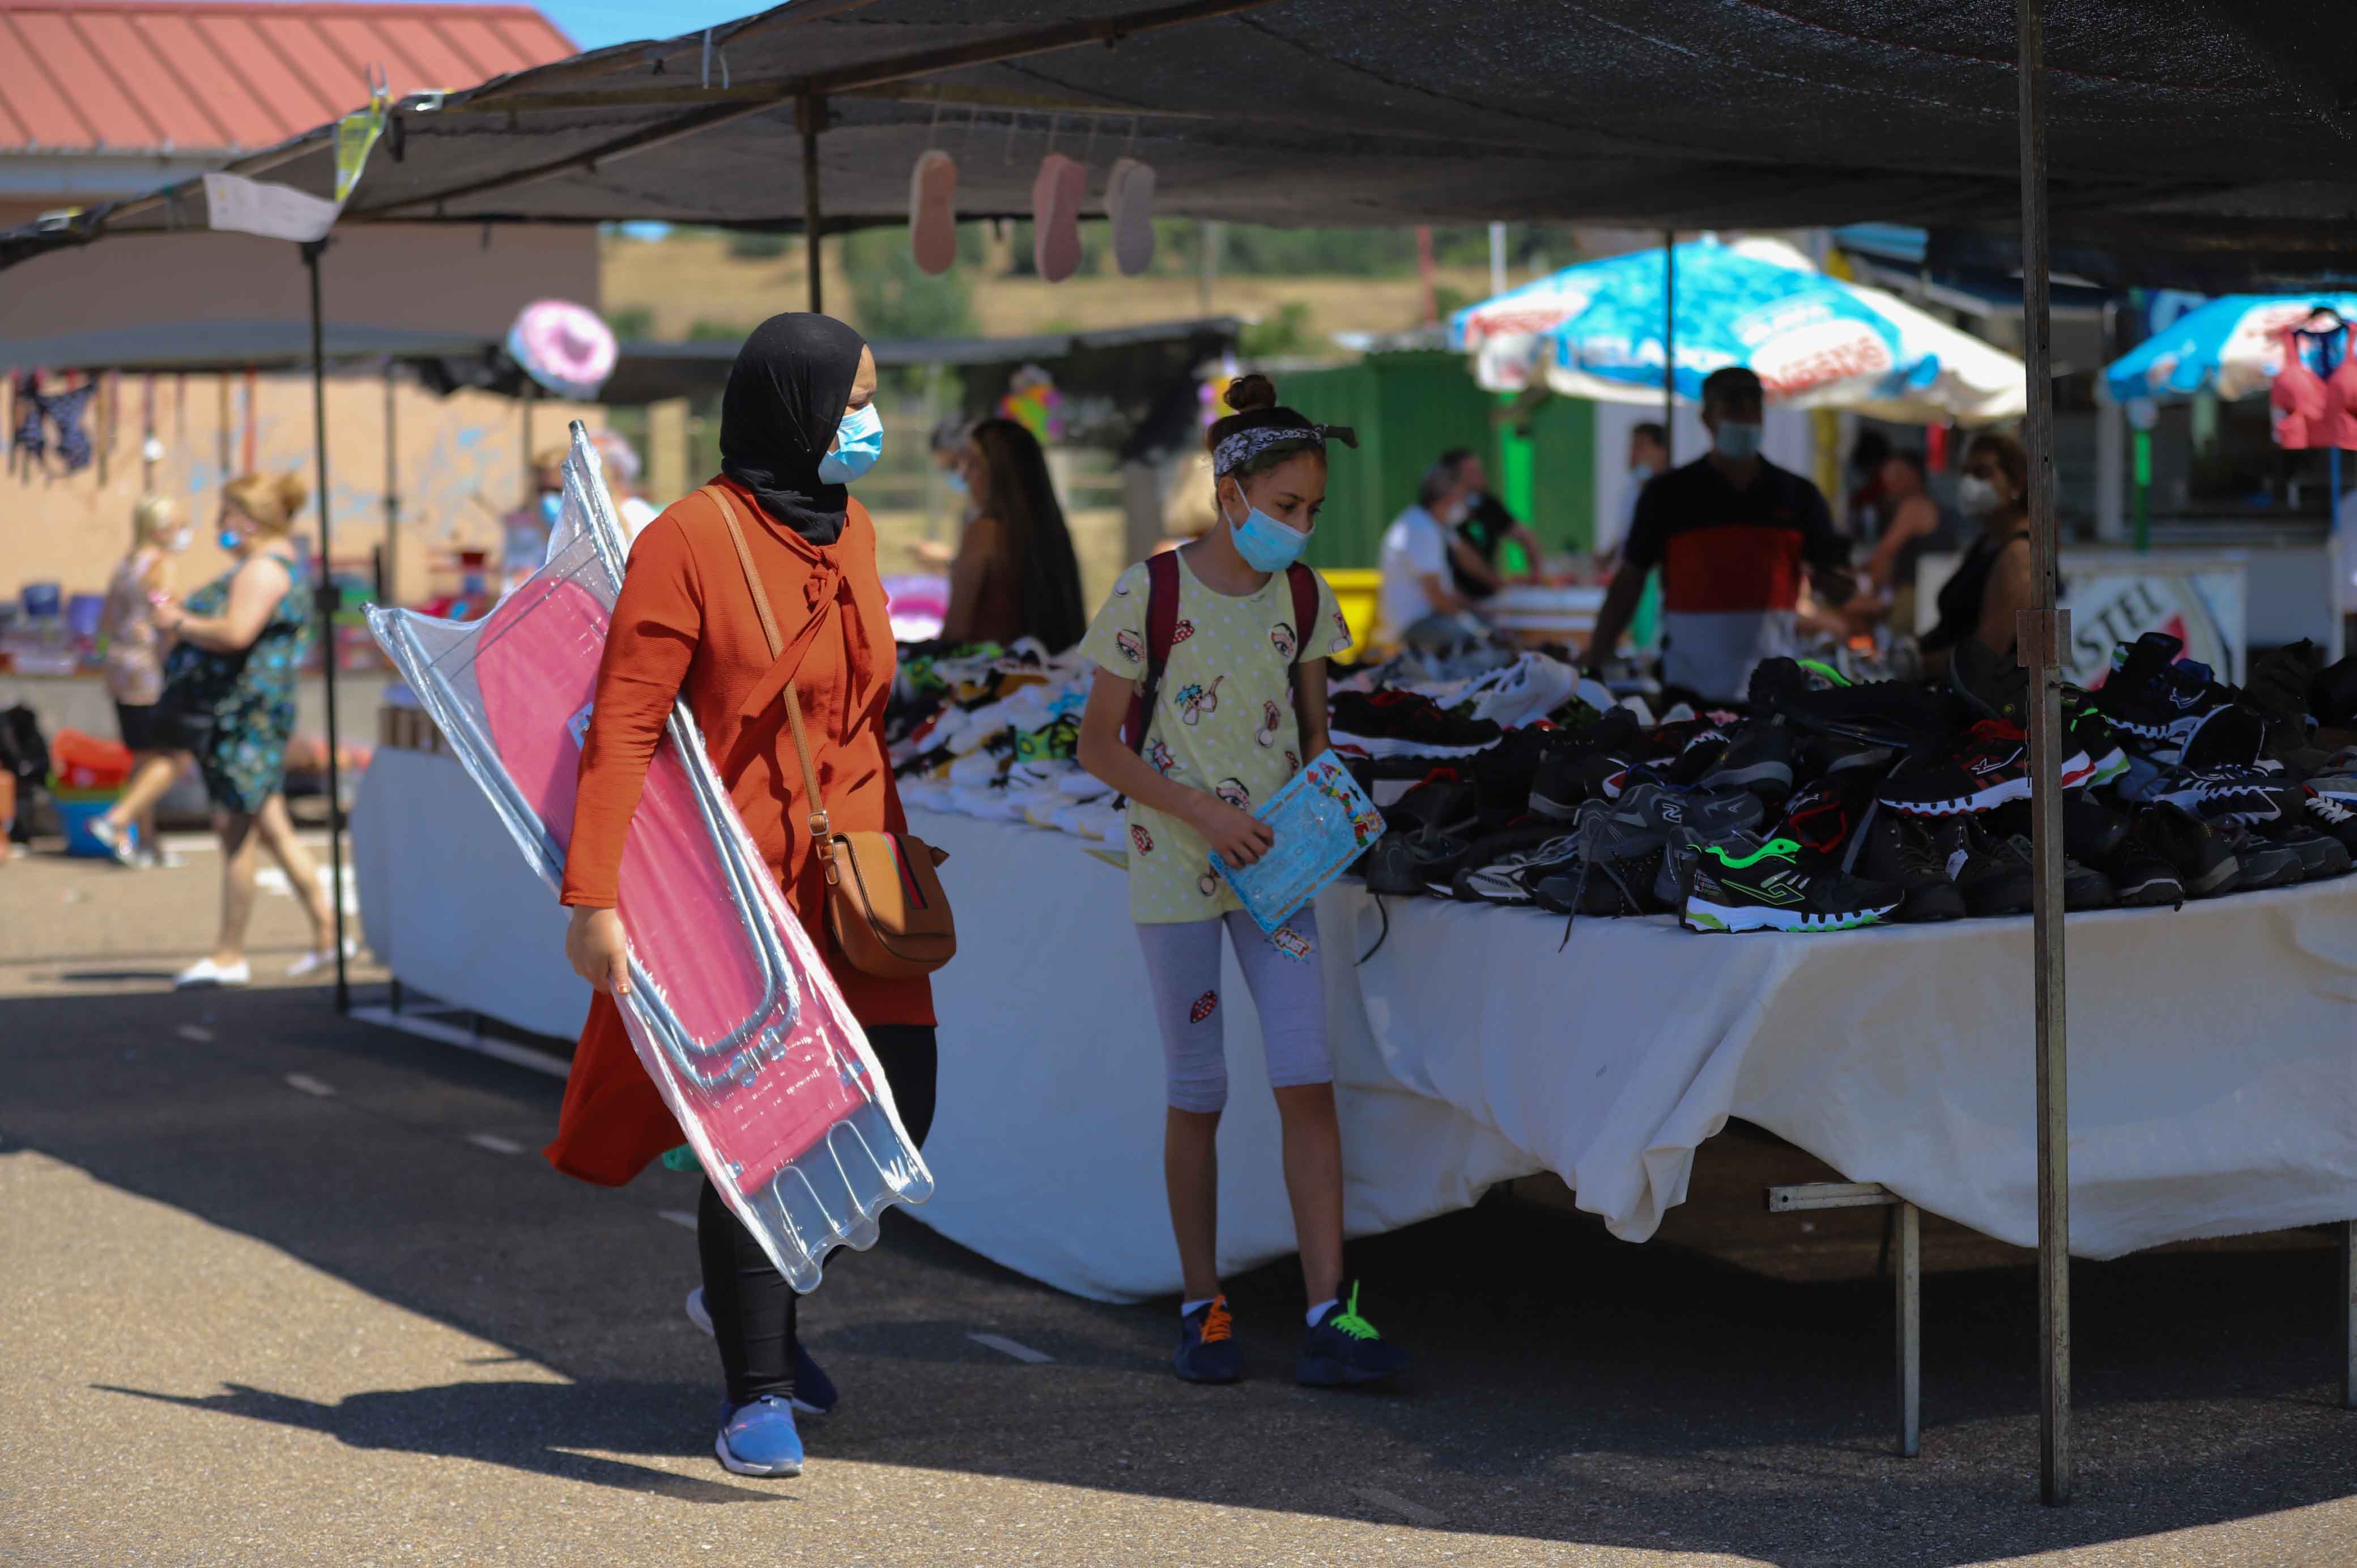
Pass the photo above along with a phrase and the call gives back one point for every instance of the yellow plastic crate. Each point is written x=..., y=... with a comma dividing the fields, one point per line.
x=1358, y=590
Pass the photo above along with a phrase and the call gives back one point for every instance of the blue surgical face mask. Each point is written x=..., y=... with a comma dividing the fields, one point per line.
x=858, y=441
x=1736, y=439
x=551, y=507
x=955, y=479
x=1641, y=472
x=1266, y=544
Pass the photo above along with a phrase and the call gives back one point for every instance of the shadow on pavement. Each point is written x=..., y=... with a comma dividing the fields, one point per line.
x=493, y=1422
x=1569, y=1388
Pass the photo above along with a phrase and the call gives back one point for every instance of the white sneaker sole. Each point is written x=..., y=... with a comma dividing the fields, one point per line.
x=1700, y=915
x=735, y=1467
x=2077, y=769
x=1388, y=746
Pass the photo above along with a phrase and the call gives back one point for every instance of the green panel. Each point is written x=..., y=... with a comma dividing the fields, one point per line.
x=1407, y=409
x=1563, y=474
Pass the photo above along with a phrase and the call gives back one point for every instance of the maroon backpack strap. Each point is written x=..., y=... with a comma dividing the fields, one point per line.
x=1161, y=630
x=1304, y=583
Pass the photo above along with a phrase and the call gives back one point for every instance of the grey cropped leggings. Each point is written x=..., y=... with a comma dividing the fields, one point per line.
x=1182, y=967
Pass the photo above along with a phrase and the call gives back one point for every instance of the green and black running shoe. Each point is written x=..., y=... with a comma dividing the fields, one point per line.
x=1344, y=1349
x=1751, y=885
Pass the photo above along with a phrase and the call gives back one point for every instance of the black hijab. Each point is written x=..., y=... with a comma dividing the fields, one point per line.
x=785, y=396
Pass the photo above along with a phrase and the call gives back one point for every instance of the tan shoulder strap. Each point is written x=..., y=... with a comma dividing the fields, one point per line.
x=818, y=822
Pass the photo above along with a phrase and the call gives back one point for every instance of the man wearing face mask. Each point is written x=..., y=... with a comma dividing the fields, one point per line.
x=1648, y=458
x=1731, y=533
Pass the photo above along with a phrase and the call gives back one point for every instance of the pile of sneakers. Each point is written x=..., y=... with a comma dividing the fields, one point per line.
x=993, y=732
x=1834, y=804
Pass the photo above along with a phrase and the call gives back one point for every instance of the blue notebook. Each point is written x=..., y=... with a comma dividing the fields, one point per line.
x=1323, y=823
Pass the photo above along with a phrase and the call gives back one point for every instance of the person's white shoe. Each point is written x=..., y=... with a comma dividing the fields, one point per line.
x=312, y=962
x=206, y=976
x=117, y=841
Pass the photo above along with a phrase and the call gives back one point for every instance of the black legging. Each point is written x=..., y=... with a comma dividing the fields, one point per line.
x=751, y=1304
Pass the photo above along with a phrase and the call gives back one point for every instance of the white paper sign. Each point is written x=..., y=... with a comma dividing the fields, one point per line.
x=274, y=212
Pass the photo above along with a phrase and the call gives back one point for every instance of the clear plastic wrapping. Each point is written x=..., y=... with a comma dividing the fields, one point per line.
x=733, y=1014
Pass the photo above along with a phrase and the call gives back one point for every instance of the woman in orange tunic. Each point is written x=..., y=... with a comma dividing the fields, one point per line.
x=797, y=405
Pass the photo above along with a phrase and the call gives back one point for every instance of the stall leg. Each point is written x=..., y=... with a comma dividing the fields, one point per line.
x=1910, y=1277
x=2349, y=1314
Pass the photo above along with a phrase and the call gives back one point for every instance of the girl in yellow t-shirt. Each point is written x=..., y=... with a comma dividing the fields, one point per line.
x=1240, y=706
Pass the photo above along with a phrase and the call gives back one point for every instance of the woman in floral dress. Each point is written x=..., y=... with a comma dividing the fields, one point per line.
x=229, y=684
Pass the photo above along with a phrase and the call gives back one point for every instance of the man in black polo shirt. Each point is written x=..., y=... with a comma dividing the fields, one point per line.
x=1731, y=532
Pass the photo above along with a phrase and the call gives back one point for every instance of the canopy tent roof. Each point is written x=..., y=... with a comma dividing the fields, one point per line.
x=2167, y=123
x=226, y=347
x=2232, y=347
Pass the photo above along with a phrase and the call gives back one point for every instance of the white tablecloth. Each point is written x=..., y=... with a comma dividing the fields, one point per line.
x=2214, y=1050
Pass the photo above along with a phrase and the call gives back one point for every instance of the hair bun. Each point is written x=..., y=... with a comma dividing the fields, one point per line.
x=292, y=493
x=1247, y=393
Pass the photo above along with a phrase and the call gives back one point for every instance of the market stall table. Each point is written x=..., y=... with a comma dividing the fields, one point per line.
x=2215, y=1062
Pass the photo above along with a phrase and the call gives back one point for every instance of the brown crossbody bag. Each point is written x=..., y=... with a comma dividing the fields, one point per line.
x=884, y=898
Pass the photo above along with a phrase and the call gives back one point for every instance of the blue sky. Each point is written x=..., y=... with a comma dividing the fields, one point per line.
x=592, y=24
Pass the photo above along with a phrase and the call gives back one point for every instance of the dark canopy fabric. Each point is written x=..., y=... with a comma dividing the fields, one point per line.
x=2224, y=131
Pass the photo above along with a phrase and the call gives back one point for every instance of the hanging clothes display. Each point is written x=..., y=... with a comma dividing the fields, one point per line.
x=2314, y=407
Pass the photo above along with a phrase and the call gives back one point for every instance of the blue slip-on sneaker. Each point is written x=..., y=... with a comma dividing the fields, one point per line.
x=814, y=1392
x=760, y=1439
x=1344, y=1348
x=1208, y=1352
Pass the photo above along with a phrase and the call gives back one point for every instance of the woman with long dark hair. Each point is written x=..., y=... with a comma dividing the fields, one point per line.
x=1015, y=574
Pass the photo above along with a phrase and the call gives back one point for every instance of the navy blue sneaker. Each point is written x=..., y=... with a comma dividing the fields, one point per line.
x=760, y=1439
x=1208, y=1352
x=1344, y=1348
x=814, y=1392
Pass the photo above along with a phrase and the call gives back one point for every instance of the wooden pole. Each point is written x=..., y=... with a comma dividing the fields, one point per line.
x=391, y=494
x=2040, y=636
x=327, y=606
x=811, y=113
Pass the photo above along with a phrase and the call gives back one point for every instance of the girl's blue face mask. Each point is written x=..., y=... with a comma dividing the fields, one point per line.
x=551, y=507
x=858, y=441
x=955, y=479
x=1266, y=544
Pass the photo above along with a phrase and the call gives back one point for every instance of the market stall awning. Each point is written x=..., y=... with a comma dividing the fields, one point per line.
x=1595, y=330
x=2166, y=130
x=2232, y=347
x=226, y=347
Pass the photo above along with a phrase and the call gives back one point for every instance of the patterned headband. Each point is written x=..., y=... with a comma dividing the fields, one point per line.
x=1246, y=445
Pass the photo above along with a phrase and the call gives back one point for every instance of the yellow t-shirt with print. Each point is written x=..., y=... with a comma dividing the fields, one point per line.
x=1223, y=719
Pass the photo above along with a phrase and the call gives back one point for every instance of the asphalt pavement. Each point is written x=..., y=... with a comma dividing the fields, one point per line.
x=282, y=1287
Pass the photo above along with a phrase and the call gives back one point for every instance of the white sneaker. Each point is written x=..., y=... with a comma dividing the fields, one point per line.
x=206, y=976
x=322, y=958
x=115, y=840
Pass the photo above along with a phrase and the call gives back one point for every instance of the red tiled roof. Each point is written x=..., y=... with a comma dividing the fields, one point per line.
x=122, y=76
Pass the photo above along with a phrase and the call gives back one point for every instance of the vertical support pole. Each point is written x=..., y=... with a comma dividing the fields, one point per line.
x=1909, y=1277
x=1497, y=260
x=2349, y=1314
x=2039, y=642
x=524, y=431
x=327, y=607
x=811, y=111
x=391, y=493
x=1670, y=347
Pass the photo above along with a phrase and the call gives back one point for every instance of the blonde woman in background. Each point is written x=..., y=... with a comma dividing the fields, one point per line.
x=229, y=683
x=134, y=678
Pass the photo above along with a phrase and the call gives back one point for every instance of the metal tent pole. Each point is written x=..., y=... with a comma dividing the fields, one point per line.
x=391, y=493
x=2040, y=636
x=1670, y=347
x=327, y=607
x=812, y=111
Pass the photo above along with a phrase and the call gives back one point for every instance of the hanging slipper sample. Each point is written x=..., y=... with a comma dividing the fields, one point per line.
x=1129, y=202
x=932, y=212
x=1057, y=193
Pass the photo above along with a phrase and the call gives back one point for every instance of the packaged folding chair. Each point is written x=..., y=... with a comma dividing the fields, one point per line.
x=733, y=1014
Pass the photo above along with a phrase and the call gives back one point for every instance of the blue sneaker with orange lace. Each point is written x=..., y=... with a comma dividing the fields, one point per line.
x=1344, y=1348
x=1208, y=1352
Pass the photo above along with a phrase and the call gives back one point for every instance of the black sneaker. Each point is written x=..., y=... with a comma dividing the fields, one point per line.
x=1574, y=765
x=1824, y=816
x=2204, y=862
x=2083, y=886
x=1510, y=879
x=1343, y=1349
x=2091, y=830
x=2249, y=795
x=1759, y=759
x=1208, y=1352
x=1615, y=872
x=1996, y=876
x=1984, y=769
x=2166, y=703
x=2141, y=873
x=1401, y=724
x=1884, y=712
x=2262, y=862
x=1905, y=852
x=1444, y=802
x=2321, y=855
x=2332, y=818
x=1762, y=886
x=1415, y=863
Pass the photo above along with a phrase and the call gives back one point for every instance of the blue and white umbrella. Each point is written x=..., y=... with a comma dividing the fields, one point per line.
x=2231, y=345
x=1595, y=330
